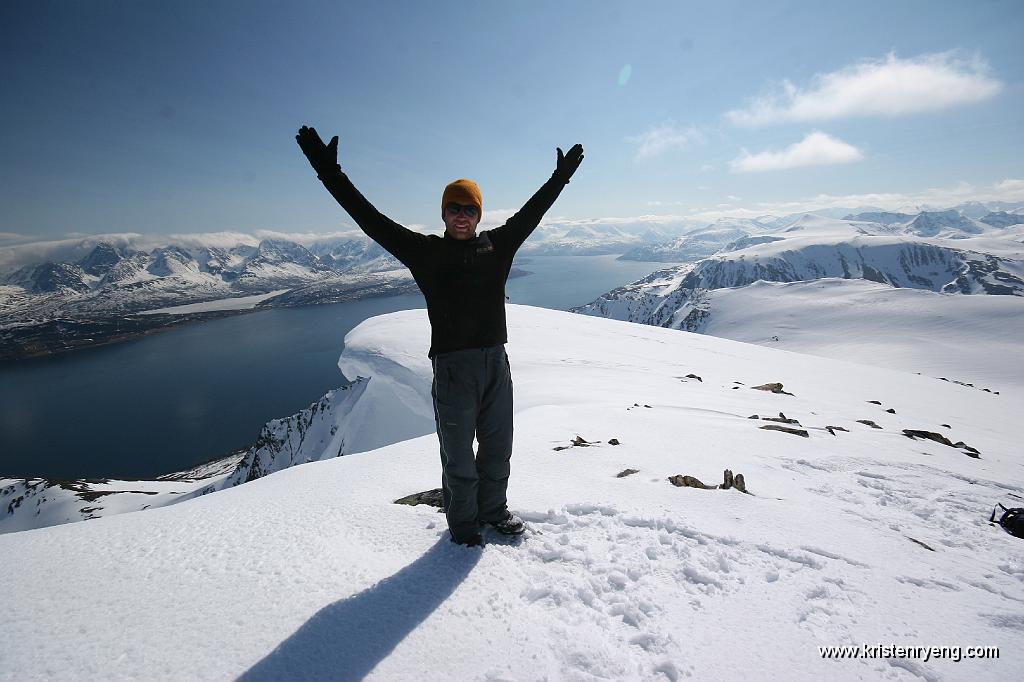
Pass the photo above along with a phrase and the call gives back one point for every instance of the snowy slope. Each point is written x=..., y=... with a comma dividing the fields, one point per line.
x=865, y=536
x=834, y=288
x=815, y=248
x=974, y=339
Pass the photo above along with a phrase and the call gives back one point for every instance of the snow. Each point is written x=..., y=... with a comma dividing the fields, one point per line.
x=313, y=573
x=973, y=339
x=236, y=303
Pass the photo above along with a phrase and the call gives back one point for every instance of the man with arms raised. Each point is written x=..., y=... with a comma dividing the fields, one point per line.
x=462, y=276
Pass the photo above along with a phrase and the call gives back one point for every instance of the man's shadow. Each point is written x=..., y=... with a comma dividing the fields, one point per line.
x=347, y=639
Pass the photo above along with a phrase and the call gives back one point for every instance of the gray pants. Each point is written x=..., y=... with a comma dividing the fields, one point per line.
x=472, y=392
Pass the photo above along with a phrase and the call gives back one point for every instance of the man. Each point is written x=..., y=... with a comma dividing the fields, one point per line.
x=462, y=276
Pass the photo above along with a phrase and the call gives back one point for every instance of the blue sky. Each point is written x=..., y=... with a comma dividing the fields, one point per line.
x=160, y=117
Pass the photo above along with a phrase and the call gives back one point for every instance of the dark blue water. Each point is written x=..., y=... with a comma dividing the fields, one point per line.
x=168, y=401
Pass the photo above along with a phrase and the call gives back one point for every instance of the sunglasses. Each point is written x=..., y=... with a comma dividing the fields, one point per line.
x=454, y=209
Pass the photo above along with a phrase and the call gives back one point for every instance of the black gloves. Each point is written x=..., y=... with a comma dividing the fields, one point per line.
x=322, y=157
x=568, y=163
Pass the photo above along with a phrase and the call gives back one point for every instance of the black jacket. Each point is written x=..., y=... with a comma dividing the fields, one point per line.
x=462, y=281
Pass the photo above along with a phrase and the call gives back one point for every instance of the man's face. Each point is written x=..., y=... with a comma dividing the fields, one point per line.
x=457, y=221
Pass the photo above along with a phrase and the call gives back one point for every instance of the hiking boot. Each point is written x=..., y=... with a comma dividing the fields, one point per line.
x=509, y=524
x=475, y=540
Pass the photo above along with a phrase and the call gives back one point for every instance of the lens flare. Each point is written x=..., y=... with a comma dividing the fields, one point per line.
x=625, y=73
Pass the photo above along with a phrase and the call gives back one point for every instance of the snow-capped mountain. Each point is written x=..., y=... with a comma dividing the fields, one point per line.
x=815, y=248
x=881, y=217
x=99, y=287
x=948, y=224
x=699, y=243
x=961, y=222
x=60, y=278
x=1002, y=219
x=867, y=490
x=53, y=306
x=594, y=238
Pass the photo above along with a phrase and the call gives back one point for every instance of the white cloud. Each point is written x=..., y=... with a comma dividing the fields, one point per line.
x=1011, y=186
x=663, y=138
x=816, y=149
x=493, y=217
x=884, y=87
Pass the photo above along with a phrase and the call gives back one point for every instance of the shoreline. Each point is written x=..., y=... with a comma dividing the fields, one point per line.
x=62, y=336
x=83, y=333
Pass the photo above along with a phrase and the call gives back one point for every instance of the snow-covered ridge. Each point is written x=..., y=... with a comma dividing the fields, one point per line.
x=115, y=292
x=242, y=267
x=816, y=249
x=698, y=243
x=343, y=421
x=973, y=339
x=617, y=578
x=964, y=221
x=347, y=420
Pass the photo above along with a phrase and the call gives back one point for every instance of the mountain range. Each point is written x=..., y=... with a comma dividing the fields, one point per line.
x=102, y=289
x=961, y=222
x=818, y=249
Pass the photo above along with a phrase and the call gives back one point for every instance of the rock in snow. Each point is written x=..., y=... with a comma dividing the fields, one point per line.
x=311, y=572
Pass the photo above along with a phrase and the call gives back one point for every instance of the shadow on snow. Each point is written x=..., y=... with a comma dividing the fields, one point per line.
x=347, y=639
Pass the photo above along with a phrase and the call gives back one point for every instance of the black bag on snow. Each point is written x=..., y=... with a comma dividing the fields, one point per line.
x=1012, y=520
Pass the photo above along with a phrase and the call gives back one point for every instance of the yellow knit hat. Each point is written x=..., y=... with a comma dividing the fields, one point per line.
x=463, y=191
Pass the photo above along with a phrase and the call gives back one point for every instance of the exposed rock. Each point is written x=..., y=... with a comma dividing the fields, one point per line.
x=729, y=481
x=626, y=472
x=920, y=543
x=772, y=387
x=613, y=441
x=869, y=423
x=434, y=498
x=688, y=482
x=930, y=435
x=786, y=429
x=833, y=429
x=875, y=402
x=939, y=438
x=578, y=441
x=970, y=450
x=967, y=383
x=946, y=425
x=694, y=376
x=891, y=411
x=647, y=406
x=783, y=419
